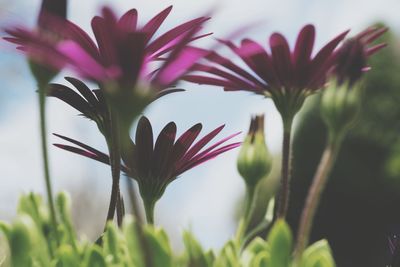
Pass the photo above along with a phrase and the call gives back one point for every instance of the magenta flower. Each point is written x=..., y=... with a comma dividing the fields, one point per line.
x=123, y=49
x=351, y=58
x=154, y=166
x=284, y=75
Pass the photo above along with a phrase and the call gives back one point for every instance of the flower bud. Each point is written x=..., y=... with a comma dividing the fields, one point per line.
x=254, y=161
x=351, y=62
x=339, y=105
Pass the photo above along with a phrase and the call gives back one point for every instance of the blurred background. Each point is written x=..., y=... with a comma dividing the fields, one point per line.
x=361, y=205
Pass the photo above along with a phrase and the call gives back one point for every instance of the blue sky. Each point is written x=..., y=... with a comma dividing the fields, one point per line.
x=203, y=199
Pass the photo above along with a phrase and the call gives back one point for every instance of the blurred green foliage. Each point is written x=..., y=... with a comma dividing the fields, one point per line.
x=29, y=244
x=360, y=207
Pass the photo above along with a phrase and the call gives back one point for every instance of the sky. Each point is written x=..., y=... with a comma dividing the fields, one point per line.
x=203, y=199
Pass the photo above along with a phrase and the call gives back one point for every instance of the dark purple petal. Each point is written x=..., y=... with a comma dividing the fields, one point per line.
x=229, y=65
x=144, y=146
x=322, y=62
x=302, y=54
x=210, y=81
x=161, y=165
x=282, y=59
x=199, y=160
x=199, y=145
x=84, y=90
x=106, y=38
x=167, y=92
x=152, y=26
x=128, y=22
x=82, y=145
x=372, y=50
x=88, y=152
x=209, y=149
x=85, y=153
x=185, y=141
x=70, y=97
x=244, y=84
x=259, y=61
x=169, y=39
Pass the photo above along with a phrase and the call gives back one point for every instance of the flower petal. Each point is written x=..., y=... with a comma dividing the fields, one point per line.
x=128, y=21
x=70, y=97
x=281, y=59
x=161, y=164
x=185, y=141
x=84, y=90
x=199, y=160
x=152, y=26
x=144, y=146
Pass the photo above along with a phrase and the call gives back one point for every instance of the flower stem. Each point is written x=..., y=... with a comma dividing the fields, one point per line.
x=134, y=200
x=284, y=189
x=115, y=162
x=43, y=132
x=248, y=213
x=314, y=195
x=149, y=209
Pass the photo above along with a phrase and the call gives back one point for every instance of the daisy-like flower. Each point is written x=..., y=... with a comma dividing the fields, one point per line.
x=351, y=58
x=340, y=104
x=122, y=51
x=286, y=76
x=122, y=61
x=154, y=166
x=341, y=99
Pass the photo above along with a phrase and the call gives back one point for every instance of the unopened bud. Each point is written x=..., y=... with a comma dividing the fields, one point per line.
x=254, y=161
x=339, y=106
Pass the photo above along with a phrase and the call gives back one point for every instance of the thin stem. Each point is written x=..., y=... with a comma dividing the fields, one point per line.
x=248, y=213
x=115, y=162
x=134, y=200
x=314, y=195
x=43, y=132
x=284, y=189
x=149, y=209
x=120, y=209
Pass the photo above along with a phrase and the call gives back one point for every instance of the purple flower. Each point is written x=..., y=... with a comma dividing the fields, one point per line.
x=154, y=166
x=285, y=75
x=123, y=51
x=351, y=58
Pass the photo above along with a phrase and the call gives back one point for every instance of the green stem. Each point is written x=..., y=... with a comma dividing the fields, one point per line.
x=115, y=162
x=314, y=195
x=284, y=189
x=134, y=200
x=248, y=213
x=149, y=209
x=43, y=132
x=120, y=209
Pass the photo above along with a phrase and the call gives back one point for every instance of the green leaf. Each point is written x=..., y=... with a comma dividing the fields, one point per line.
x=280, y=242
x=67, y=256
x=63, y=203
x=196, y=257
x=94, y=258
x=228, y=257
x=158, y=244
x=318, y=255
x=133, y=247
x=111, y=243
